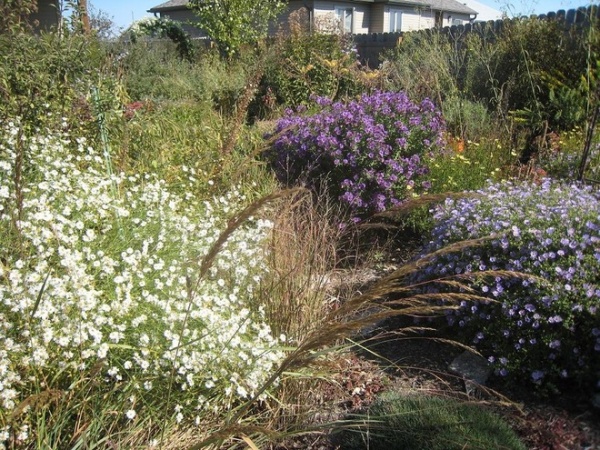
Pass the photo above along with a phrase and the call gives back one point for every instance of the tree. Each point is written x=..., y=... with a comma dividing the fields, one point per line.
x=102, y=24
x=233, y=23
x=82, y=8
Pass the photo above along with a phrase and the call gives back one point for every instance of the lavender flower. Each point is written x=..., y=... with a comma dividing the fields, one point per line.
x=369, y=152
x=551, y=231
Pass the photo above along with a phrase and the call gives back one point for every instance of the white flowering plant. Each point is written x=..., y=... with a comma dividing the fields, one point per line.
x=105, y=288
x=161, y=28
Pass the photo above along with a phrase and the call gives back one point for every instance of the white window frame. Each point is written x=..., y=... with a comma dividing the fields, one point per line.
x=341, y=14
x=395, y=19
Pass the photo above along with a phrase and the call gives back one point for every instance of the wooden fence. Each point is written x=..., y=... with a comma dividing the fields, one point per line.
x=371, y=46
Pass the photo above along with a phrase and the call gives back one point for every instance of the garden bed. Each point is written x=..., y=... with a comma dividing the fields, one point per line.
x=389, y=360
x=421, y=367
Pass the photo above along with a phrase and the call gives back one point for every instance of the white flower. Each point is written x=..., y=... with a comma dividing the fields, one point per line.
x=116, y=280
x=102, y=351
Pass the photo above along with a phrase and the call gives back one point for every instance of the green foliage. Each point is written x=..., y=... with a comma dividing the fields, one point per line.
x=517, y=71
x=433, y=65
x=397, y=421
x=161, y=27
x=52, y=74
x=568, y=105
x=426, y=65
x=560, y=156
x=231, y=24
x=533, y=73
x=14, y=15
x=466, y=166
x=174, y=138
x=467, y=119
x=153, y=72
x=305, y=63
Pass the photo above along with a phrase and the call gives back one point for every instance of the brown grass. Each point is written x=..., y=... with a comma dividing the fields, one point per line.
x=303, y=250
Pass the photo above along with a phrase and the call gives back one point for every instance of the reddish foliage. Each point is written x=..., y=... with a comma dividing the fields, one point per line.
x=132, y=108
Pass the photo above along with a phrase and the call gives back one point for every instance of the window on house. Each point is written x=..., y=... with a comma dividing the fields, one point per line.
x=439, y=19
x=344, y=17
x=395, y=20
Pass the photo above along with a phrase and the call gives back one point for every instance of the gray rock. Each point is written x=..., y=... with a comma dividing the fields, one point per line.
x=474, y=369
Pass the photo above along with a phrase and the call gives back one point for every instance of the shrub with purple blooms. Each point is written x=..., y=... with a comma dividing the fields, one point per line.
x=542, y=329
x=370, y=152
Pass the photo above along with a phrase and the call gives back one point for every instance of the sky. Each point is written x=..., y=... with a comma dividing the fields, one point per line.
x=124, y=12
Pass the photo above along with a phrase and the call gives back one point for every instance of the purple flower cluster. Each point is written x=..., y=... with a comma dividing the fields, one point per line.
x=369, y=152
x=546, y=328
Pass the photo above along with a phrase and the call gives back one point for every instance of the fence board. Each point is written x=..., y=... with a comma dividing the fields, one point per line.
x=371, y=46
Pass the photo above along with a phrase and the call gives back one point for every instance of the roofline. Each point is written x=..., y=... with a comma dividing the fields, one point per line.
x=167, y=8
x=396, y=2
x=408, y=3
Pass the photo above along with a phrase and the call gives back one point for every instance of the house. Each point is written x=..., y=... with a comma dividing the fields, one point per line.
x=385, y=16
x=356, y=16
x=485, y=13
x=177, y=10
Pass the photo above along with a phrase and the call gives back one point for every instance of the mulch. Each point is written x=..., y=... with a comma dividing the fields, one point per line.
x=419, y=364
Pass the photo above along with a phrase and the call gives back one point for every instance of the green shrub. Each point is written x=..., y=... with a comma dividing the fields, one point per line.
x=53, y=74
x=409, y=422
x=468, y=120
x=305, y=63
x=467, y=165
x=176, y=139
x=164, y=28
x=14, y=16
x=518, y=70
x=560, y=155
x=152, y=71
x=532, y=73
x=233, y=24
x=426, y=65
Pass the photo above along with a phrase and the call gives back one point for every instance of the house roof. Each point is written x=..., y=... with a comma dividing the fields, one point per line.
x=169, y=6
x=438, y=5
x=485, y=12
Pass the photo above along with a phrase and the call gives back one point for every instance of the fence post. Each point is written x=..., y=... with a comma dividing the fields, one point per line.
x=588, y=138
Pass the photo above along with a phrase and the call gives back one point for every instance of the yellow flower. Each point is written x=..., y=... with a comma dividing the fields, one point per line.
x=308, y=68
